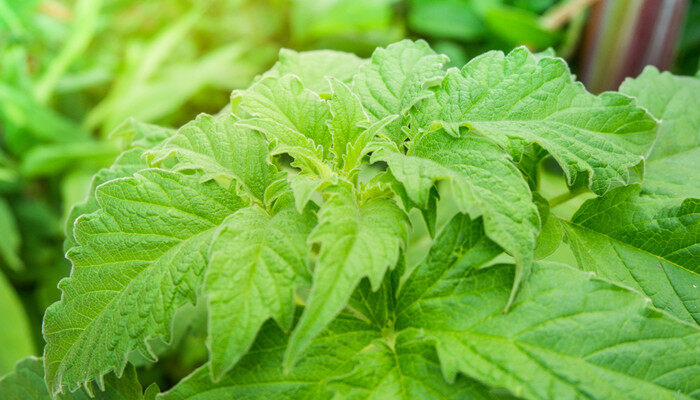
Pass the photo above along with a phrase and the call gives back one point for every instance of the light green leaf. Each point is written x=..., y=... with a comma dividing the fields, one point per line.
x=286, y=101
x=649, y=244
x=348, y=119
x=255, y=259
x=313, y=67
x=222, y=150
x=395, y=79
x=16, y=338
x=461, y=246
x=140, y=257
x=569, y=335
x=364, y=365
x=137, y=137
x=11, y=241
x=518, y=99
x=674, y=162
x=307, y=155
x=484, y=180
x=357, y=239
x=27, y=382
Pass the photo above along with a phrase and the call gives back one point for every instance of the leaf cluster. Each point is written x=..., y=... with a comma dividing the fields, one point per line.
x=293, y=219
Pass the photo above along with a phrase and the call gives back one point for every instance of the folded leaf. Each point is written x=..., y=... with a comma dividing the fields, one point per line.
x=286, y=101
x=484, y=180
x=395, y=79
x=222, y=150
x=139, y=258
x=348, y=116
x=518, y=99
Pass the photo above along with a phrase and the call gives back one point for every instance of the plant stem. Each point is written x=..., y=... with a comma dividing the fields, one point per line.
x=564, y=197
x=561, y=14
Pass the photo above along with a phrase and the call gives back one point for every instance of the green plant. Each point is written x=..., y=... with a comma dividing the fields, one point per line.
x=377, y=228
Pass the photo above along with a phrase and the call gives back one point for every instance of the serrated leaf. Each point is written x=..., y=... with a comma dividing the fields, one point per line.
x=518, y=99
x=138, y=137
x=286, y=101
x=255, y=259
x=649, y=244
x=363, y=366
x=140, y=257
x=567, y=336
x=357, y=239
x=395, y=79
x=484, y=181
x=308, y=156
x=223, y=150
x=313, y=67
x=347, y=119
x=674, y=161
x=27, y=382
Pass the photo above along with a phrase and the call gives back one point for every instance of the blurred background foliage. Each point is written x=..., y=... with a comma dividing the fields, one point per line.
x=74, y=71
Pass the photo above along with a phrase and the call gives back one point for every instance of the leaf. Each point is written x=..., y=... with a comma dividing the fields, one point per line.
x=286, y=101
x=255, y=259
x=568, y=335
x=27, y=382
x=363, y=366
x=348, y=116
x=461, y=246
x=313, y=67
x=137, y=137
x=17, y=339
x=649, y=244
x=222, y=150
x=674, y=160
x=357, y=239
x=395, y=79
x=308, y=156
x=516, y=100
x=11, y=242
x=484, y=181
x=140, y=257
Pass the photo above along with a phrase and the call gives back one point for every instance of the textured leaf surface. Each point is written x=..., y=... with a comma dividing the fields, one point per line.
x=482, y=177
x=255, y=259
x=27, y=382
x=517, y=99
x=286, y=101
x=140, y=257
x=396, y=78
x=140, y=136
x=347, y=118
x=358, y=239
x=222, y=150
x=647, y=243
x=362, y=366
x=313, y=67
x=673, y=168
x=567, y=336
